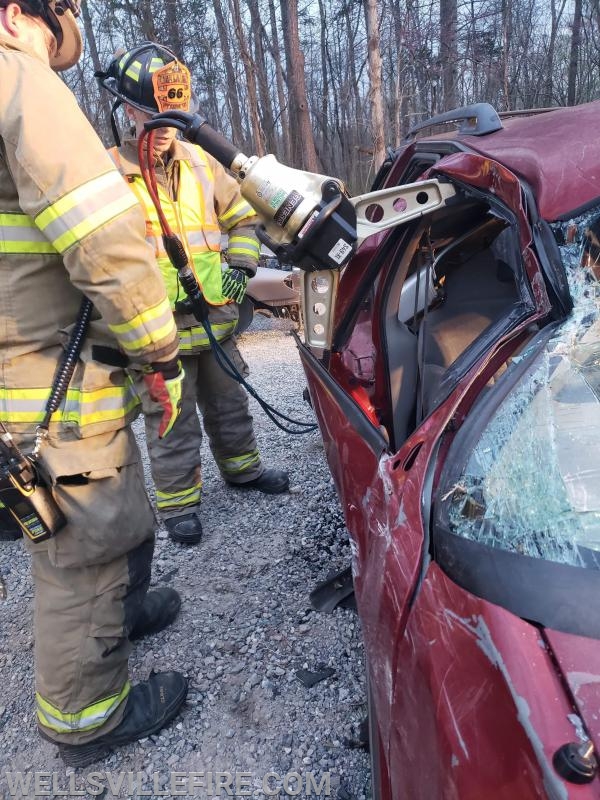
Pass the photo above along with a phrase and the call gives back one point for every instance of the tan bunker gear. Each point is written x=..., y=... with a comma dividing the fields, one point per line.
x=69, y=227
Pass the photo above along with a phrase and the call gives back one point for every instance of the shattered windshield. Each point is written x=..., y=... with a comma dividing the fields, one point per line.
x=532, y=483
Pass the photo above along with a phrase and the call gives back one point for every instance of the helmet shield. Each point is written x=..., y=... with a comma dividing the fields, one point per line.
x=172, y=87
x=149, y=78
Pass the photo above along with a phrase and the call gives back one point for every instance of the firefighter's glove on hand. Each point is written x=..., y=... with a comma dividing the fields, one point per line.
x=234, y=283
x=164, y=382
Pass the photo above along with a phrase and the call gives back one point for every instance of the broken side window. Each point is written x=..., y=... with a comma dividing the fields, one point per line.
x=531, y=484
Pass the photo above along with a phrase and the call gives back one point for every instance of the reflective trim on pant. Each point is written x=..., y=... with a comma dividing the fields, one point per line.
x=178, y=500
x=223, y=403
x=93, y=716
x=196, y=337
x=237, y=464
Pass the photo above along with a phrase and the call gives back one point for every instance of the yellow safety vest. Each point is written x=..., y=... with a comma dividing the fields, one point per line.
x=193, y=218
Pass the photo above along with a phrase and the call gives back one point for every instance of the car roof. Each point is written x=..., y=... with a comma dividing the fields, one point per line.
x=556, y=152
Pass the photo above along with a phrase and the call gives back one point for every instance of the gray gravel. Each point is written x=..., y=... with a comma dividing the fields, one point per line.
x=245, y=627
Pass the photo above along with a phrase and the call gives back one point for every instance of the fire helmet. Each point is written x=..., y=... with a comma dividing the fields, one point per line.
x=60, y=16
x=148, y=77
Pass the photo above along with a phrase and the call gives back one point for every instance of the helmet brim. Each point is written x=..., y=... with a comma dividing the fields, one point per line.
x=71, y=46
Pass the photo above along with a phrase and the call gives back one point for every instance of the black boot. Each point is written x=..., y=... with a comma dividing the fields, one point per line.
x=159, y=609
x=186, y=529
x=272, y=481
x=150, y=706
x=9, y=529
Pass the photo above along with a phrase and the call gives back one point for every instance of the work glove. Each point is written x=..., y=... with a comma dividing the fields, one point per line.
x=164, y=381
x=234, y=282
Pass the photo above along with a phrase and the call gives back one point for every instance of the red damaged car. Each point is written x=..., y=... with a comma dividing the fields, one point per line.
x=458, y=395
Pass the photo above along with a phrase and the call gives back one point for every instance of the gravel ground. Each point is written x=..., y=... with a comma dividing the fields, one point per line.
x=245, y=627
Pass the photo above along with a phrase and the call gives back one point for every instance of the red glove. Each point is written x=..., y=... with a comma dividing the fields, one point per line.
x=164, y=383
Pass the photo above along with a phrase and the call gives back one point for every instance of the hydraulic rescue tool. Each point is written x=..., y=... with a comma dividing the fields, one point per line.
x=308, y=219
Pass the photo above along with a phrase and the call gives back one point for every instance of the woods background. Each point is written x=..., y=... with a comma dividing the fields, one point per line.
x=327, y=85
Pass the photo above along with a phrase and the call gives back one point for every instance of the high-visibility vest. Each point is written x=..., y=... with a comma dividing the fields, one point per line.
x=194, y=219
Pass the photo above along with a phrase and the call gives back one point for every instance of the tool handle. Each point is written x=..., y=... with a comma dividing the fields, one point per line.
x=197, y=130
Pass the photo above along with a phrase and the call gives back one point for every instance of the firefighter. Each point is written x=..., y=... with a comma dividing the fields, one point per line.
x=69, y=229
x=201, y=202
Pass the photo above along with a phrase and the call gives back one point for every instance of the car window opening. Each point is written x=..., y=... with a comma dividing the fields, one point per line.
x=460, y=281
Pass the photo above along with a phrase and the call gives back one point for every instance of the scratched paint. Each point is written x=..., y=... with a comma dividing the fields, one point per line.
x=477, y=627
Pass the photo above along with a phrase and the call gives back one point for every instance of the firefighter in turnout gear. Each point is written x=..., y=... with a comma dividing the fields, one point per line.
x=70, y=229
x=201, y=203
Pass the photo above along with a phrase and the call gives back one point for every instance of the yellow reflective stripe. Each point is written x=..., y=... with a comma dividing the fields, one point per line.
x=20, y=234
x=243, y=245
x=79, y=406
x=236, y=213
x=196, y=337
x=186, y=497
x=90, y=717
x=133, y=70
x=150, y=327
x=84, y=210
x=237, y=464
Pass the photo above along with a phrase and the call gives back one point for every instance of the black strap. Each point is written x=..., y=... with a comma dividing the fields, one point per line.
x=109, y=355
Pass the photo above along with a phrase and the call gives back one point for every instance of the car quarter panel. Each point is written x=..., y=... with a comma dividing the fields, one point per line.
x=478, y=705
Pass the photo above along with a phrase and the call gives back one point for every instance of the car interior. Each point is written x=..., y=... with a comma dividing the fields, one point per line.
x=456, y=282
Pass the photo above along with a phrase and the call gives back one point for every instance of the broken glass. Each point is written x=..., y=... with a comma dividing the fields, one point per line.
x=532, y=483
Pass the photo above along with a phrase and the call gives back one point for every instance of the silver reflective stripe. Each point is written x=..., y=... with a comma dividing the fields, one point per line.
x=211, y=238
x=20, y=234
x=237, y=464
x=86, y=209
x=199, y=241
x=235, y=214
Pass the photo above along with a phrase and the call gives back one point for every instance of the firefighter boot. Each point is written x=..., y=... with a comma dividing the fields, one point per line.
x=271, y=481
x=159, y=609
x=186, y=529
x=9, y=530
x=150, y=706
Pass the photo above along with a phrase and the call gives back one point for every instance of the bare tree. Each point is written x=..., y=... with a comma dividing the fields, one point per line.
x=375, y=96
x=574, y=55
x=449, y=50
x=303, y=143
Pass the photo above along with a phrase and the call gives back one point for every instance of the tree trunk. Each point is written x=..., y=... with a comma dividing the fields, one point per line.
x=173, y=32
x=325, y=138
x=259, y=35
x=252, y=96
x=574, y=54
x=448, y=51
x=237, y=130
x=302, y=136
x=549, y=83
x=279, y=80
x=375, y=96
x=506, y=40
x=105, y=104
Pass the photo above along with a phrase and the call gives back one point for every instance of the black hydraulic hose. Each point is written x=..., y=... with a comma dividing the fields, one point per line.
x=200, y=311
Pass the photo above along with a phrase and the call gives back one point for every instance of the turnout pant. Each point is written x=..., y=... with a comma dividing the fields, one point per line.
x=90, y=582
x=223, y=403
